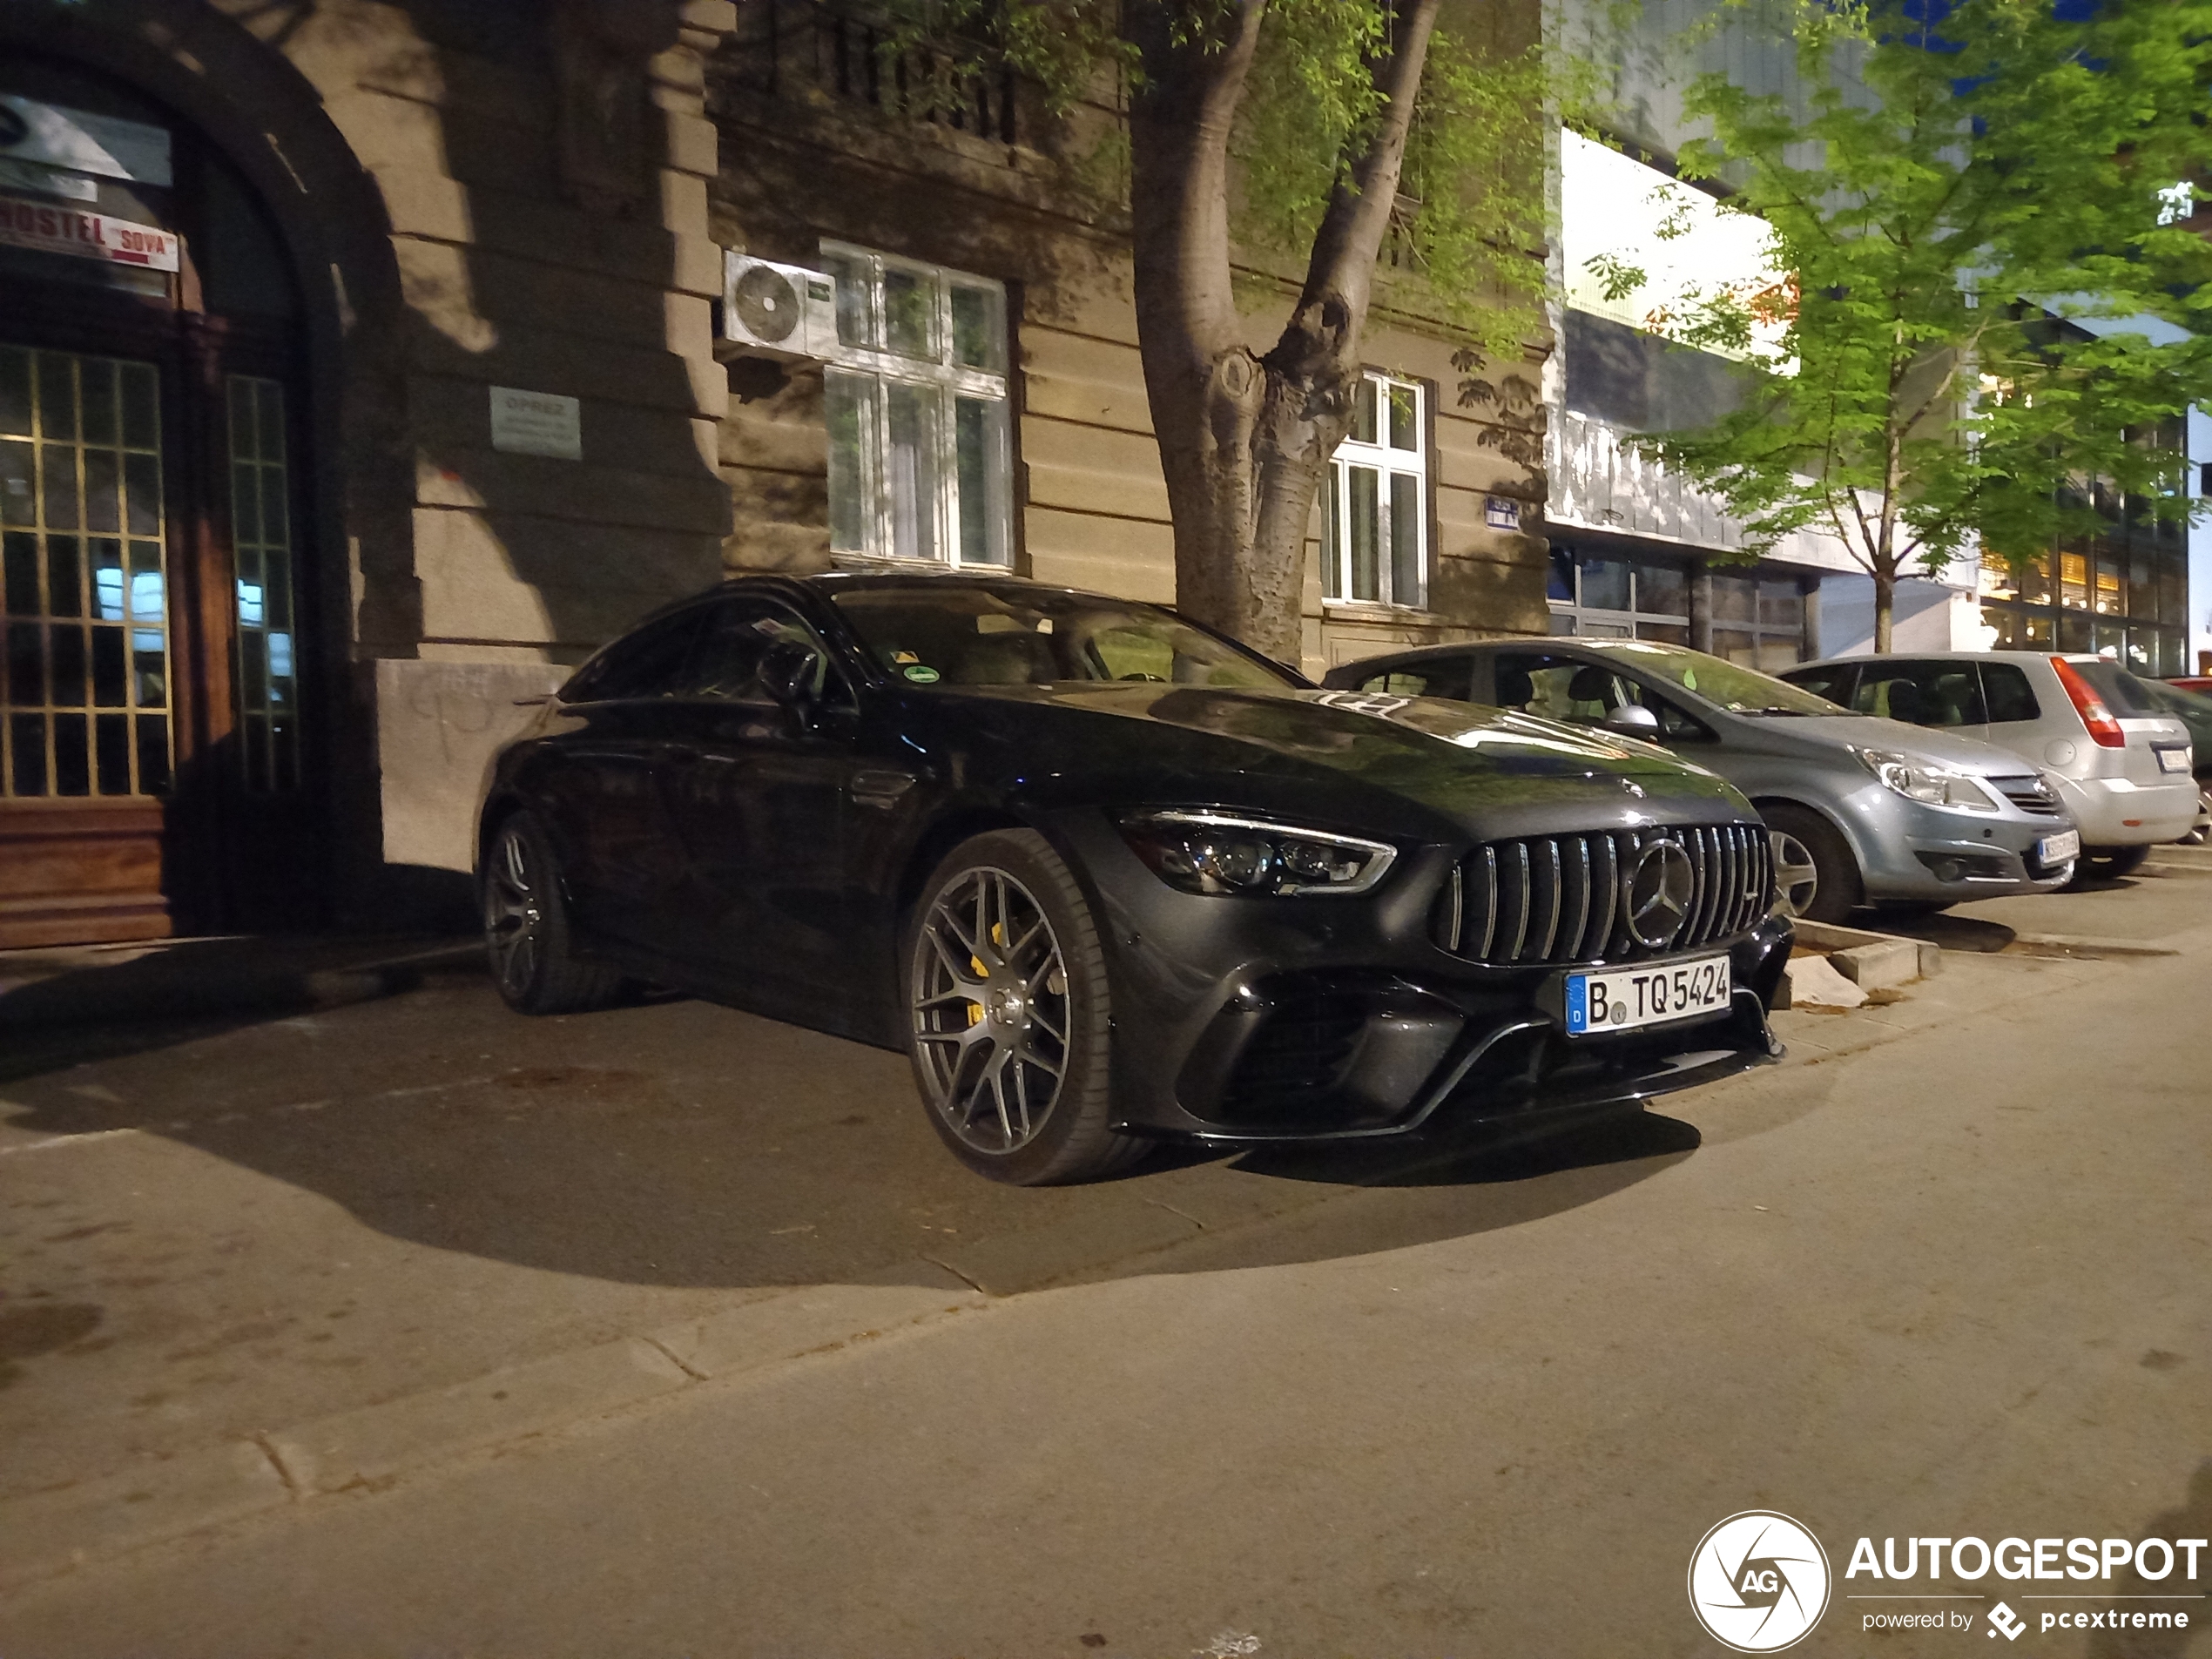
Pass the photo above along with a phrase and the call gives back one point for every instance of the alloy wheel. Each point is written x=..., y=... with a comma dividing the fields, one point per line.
x=1797, y=878
x=514, y=917
x=991, y=1010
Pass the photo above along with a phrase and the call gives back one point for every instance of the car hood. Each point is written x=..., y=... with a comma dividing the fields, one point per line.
x=1830, y=731
x=1496, y=772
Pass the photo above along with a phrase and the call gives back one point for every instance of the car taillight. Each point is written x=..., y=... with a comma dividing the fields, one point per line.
x=2103, y=729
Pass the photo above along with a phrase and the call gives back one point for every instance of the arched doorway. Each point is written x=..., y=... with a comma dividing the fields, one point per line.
x=156, y=758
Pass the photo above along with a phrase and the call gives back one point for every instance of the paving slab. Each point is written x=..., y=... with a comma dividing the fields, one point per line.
x=364, y=1447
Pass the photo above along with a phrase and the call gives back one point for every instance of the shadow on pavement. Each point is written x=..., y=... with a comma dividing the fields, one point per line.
x=678, y=1144
x=63, y=1006
x=1951, y=931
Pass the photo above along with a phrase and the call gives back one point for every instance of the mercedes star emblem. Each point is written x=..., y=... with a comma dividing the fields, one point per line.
x=1656, y=892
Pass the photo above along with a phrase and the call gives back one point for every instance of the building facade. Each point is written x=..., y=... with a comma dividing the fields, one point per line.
x=982, y=402
x=1661, y=558
x=359, y=375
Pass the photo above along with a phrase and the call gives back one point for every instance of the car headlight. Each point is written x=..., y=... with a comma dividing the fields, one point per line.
x=1922, y=780
x=1214, y=852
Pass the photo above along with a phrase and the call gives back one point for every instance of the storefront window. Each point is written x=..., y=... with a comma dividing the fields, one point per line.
x=1758, y=621
x=1612, y=597
x=2124, y=592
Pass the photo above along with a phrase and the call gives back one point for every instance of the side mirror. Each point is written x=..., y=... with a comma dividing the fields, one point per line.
x=788, y=670
x=1634, y=721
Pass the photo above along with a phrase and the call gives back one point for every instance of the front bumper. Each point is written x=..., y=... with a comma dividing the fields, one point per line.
x=1910, y=850
x=1248, y=1021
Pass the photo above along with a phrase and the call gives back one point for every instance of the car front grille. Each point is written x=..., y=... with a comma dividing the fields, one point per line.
x=1566, y=897
x=2029, y=794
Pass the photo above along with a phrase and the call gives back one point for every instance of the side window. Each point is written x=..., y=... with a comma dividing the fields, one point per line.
x=736, y=638
x=649, y=663
x=2008, y=695
x=1131, y=654
x=1834, y=682
x=1558, y=688
x=1934, y=694
x=1446, y=678
x=1676, y=723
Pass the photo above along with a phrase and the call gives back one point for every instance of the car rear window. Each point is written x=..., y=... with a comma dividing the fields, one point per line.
x=2114, y=683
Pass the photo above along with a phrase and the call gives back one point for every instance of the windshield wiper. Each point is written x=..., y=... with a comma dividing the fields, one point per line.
x=1775, y=709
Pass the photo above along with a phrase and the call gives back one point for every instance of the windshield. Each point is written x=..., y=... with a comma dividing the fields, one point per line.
x=968, y=634
x=1723, y=684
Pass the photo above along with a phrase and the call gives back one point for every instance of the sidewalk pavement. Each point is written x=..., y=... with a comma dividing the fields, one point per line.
x=541, y=1296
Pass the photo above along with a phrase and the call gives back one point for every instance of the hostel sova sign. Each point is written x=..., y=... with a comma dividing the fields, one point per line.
x=47, y=227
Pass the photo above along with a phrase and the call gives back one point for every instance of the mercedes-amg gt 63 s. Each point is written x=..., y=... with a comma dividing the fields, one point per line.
x=1109, y=878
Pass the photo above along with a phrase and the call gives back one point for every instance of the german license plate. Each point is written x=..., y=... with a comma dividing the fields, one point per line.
x=2057, y=849
x=1621, y=999
x=2172, y=759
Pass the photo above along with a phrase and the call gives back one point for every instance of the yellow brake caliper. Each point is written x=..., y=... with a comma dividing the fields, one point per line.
x=998, y=938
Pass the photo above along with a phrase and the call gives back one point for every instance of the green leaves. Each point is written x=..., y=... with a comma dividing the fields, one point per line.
x=1469, y=223
x=1987, y=313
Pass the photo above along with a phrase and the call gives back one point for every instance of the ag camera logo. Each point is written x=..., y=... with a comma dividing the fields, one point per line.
x=1758, y=1582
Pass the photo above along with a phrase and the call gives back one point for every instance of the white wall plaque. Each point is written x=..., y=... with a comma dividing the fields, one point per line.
x=1502, y=513
x=536, y=423
x=30, y=131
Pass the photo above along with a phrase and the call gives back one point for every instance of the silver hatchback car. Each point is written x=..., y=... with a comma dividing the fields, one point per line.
x=1862, y=811
x=2121, y=763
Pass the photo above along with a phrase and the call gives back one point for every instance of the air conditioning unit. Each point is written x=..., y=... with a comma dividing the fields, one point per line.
x=781, y=311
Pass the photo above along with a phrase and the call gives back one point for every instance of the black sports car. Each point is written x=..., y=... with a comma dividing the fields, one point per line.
x=1111, y=878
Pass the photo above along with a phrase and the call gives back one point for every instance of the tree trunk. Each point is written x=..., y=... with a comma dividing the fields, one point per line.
x=1244, y=439
x=1885, y=604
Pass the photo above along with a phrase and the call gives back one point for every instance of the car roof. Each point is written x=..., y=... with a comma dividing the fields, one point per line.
x=1421, y=653
x=1952, y=657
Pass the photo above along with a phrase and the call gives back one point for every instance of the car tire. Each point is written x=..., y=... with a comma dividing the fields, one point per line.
x=527, y=932
x=1815, y=875
x=2107, y=864
x=1011, y=1051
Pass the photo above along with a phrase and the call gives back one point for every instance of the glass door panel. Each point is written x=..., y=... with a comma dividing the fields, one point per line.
x=267, y=667
x=84, y=682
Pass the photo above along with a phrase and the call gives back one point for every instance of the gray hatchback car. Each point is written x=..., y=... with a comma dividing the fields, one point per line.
x=1863, y=810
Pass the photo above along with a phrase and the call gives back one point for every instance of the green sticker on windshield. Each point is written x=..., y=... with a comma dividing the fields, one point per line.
x=922, y=674
x=1690, y=679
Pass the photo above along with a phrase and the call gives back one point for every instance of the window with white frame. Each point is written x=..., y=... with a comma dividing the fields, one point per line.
x=1375, y=542
x=919, y=466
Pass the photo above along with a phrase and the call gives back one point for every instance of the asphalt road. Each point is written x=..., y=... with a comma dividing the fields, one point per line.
x=1942, y=1277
